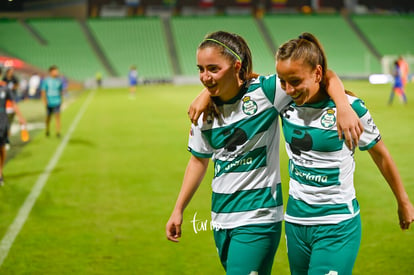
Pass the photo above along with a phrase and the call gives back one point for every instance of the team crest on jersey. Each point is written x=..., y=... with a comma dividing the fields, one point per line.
x=328, y=119
x=249, y=106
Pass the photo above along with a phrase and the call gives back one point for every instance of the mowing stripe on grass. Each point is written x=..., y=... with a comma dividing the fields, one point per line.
x=24, y=211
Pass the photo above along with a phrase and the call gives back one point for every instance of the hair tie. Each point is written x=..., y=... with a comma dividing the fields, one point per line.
x=225, y=46
x=301, y=37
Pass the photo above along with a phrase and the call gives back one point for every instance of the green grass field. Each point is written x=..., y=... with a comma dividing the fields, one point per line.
x=104, y=207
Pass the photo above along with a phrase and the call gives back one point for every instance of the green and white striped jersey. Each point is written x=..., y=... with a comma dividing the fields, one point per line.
x=321, y=167
x=244, y=145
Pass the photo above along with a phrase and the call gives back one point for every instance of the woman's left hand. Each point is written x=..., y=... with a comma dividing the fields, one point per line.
x=199, y=106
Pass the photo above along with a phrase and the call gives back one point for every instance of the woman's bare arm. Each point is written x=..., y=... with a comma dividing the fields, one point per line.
x=193, y=176
x=348, y=124
x=382, y=158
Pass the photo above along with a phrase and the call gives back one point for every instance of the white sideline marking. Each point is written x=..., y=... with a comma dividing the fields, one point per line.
x=22, y=215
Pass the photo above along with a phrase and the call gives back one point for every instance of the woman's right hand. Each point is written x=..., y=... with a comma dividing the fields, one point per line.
x=173, y=227
x=406, y=215
x=200, y=105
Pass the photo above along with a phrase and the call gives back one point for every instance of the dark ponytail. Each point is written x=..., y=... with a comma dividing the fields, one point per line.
x=233, y=47
x=306, y=48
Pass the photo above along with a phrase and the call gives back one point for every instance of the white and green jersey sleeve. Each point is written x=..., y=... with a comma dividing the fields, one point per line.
x=321, y=167
x=244, y=145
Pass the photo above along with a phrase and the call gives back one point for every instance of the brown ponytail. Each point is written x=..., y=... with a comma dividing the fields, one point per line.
x=307, y=48
x=233, y=47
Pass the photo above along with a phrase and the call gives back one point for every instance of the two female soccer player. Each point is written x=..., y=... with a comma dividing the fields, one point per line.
x=243, y=142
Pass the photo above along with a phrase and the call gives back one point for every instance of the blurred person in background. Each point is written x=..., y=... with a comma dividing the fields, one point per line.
x=12, y=84
x=12, y=81
x=34, y=85
x=133, y=81
x=404, y=70
x=6, y=95
x=398, y=85
x=52, y=94
x=65, y=84
x=23, y=92
x=98, y=78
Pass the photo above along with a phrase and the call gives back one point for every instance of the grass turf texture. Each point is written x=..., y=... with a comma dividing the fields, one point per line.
x=105, y=205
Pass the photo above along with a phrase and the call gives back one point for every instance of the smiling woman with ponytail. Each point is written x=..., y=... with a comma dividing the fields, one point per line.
x=322, y=221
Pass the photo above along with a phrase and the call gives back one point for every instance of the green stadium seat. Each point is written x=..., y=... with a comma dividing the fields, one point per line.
x=18, y=42
x=390, y=34
x=190, y=31
x=346, y=53
x=142, y=42
x=134, y=41
x=66, y=46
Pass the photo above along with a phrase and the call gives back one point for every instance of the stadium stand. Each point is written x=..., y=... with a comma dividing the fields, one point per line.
x=190, y=31
x=346, y=53
x=391, y=34
x=18, y=42
x=65, y=46
x=135, y=41
x=146, y=42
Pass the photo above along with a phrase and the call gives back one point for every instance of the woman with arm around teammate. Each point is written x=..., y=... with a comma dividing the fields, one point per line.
x=323, y=227
x=243, y=142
